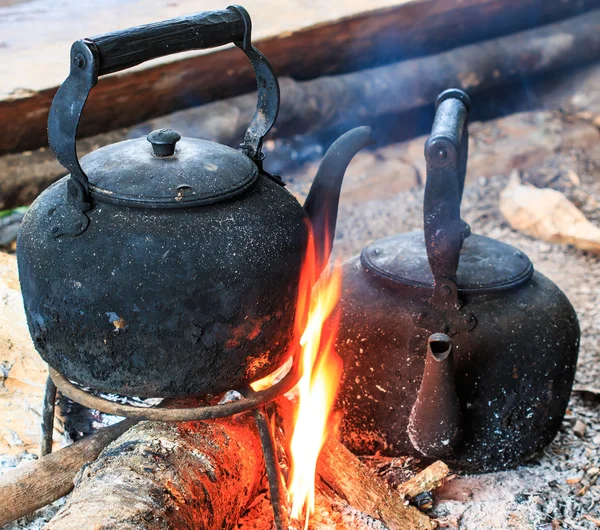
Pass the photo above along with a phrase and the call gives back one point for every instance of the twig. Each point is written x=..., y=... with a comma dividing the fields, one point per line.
x=430, y=478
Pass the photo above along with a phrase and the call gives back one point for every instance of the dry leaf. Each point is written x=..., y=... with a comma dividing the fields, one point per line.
x=548, y=215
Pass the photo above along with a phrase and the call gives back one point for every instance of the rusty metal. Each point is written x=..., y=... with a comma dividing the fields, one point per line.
x=176, y=414
x=273, y=470
x=501, y=395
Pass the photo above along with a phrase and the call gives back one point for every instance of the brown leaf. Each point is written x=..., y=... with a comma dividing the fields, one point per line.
x=548, y=215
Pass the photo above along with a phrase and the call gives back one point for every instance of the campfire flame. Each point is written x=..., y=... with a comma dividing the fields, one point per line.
x=315, y=328
x=317, y=389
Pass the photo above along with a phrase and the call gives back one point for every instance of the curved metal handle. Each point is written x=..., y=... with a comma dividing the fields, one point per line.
x=113, y=52
x=446, y=156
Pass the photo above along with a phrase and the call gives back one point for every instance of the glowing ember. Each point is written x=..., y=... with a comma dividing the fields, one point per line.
x=321, y=373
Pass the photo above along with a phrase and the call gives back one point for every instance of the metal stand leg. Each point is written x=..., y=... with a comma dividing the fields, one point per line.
x=48, y=417
x=273, y=470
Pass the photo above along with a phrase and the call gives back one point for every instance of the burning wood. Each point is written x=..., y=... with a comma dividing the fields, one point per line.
x=355, y=483
x=192, y=476
x=198, y=475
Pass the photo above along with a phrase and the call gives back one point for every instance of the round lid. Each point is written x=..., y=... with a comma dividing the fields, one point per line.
x=485, y=264
x=167, y=171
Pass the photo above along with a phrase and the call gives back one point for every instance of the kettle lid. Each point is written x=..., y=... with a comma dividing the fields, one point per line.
x=164, y=170
x=485, y=264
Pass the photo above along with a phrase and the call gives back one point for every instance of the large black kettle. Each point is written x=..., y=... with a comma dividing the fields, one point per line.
x=454, y=347
x=168, y=266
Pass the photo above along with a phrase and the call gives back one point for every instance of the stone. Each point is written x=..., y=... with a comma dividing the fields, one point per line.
x=579, y=428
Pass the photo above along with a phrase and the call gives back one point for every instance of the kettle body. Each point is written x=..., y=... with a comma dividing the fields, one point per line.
x=168, y=266
x=513, y=371
x=514, y=336
x=164, y=302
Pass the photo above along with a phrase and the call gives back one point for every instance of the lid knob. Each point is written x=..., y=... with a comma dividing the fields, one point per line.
x=163, y=141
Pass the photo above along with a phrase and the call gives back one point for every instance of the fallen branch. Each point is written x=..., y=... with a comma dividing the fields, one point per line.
x=40, y=482
x=196, y=475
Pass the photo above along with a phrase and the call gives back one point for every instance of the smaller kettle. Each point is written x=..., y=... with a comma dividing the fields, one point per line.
x=454, y=347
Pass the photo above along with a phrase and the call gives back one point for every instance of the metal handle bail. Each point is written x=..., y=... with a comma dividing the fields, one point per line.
x=113, y=52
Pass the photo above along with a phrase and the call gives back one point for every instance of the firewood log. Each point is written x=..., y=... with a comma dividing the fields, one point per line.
x=196, y=475
x=40, y=482
x=343, y=100
x=201, y=475
x=345, y=474
x=296, y=49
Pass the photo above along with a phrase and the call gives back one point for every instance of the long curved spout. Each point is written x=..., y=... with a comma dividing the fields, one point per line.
x=322, y=202
x=435, y=422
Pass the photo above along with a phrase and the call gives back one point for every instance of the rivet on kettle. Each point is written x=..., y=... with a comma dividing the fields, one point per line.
x=79, y=61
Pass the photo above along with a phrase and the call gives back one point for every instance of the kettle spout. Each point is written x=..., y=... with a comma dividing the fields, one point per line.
x=321, y=205
x=434, y=425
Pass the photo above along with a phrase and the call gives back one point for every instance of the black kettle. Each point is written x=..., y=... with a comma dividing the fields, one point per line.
x=454, y=347
x=168, y=266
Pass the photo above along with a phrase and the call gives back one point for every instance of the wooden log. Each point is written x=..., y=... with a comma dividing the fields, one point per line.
x=201, y=475
x=363, y=490
x=196, y=476
x=364, y=97
x=354, y=482
x=40, y=482
x=343, y=101
x=371, y=37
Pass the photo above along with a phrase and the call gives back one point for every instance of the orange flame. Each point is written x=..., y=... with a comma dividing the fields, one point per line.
x=321, y=370
x=321, y=373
